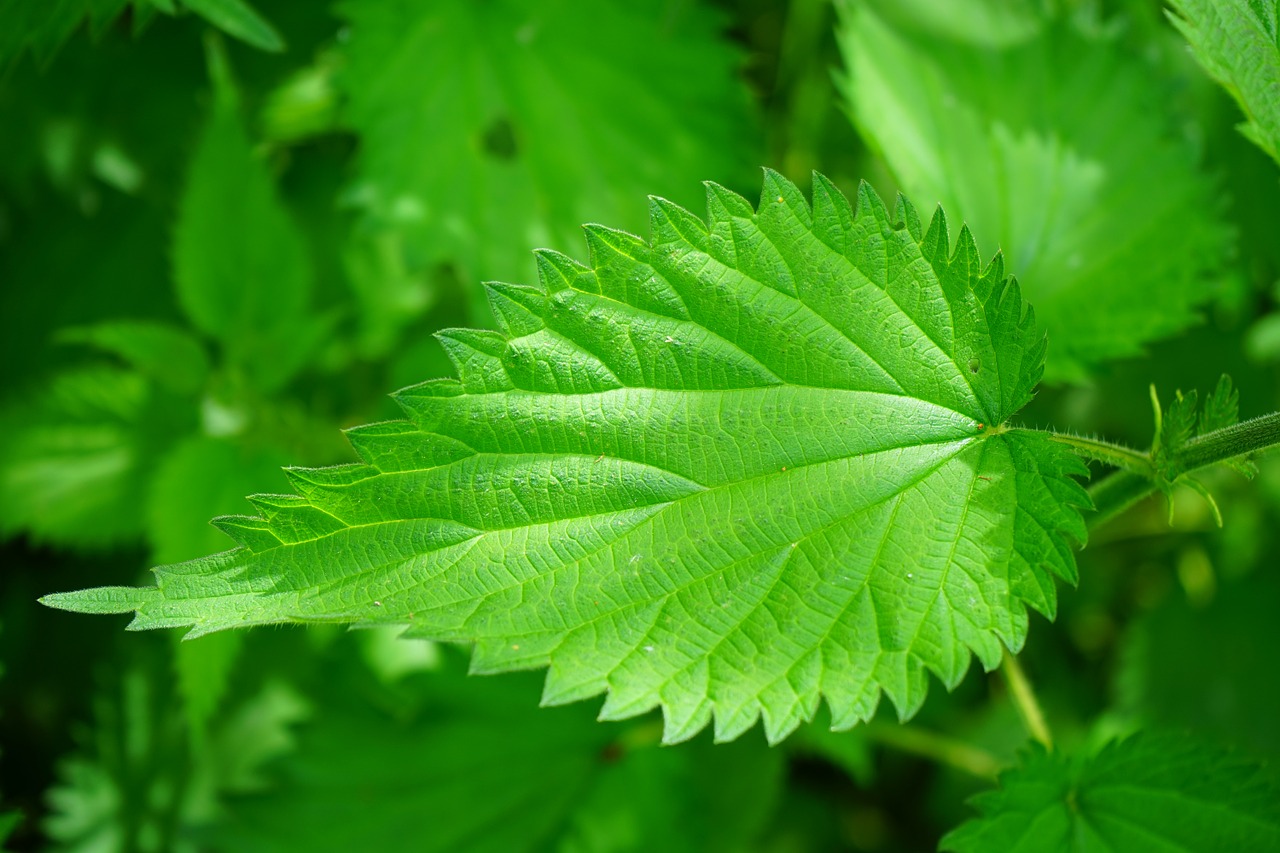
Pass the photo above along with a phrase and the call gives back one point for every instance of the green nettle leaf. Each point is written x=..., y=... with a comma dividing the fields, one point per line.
x=41, y=27
x=239, y=19
x=202, y=477
x=77, y=458
x=241, y=266
x=1238, y=43
x=1149, y=792
x=159, y=351
x=759, y=461
x=546, y=115
x=1044, y=138
x=476, y=766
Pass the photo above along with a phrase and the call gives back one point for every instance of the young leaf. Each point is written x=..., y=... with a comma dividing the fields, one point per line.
x=546, y=116
x=1149, y=792
x=1238, y=43
x=759, y=461
x=241, y=266
x=1018, y=132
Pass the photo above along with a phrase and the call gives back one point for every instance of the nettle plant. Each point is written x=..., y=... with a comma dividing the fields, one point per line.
x=756, y=464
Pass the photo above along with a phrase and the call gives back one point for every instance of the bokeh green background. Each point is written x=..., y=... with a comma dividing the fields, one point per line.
x=223, y=238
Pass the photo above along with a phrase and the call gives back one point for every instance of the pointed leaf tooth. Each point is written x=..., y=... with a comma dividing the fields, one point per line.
x=966, y=254
x=477, y=356
x=558, y=271
x=511, y=308
x=871, y=205
x=396, y=446
x=103, y=599
x=732, y=723
x=313, y=482
x=624, y=273
x=681, y=722
x=936, y=246
x=832, y=216
x=550, y=362
x=249, y=532
x=607, y=246
x=780, y=194
x=293, y=519
x=675, y=228
x=906, y=216
x=564, y=685
x=992, y=276
x=724, y=204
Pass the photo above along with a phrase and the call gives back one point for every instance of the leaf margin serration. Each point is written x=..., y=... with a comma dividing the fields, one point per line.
x=1050, y=531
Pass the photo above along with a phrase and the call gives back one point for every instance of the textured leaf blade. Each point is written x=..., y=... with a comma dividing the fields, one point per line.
x=1014, y=130
x=1237, y=42
x=1149, y=792
x=749, y=465
x=525, y=102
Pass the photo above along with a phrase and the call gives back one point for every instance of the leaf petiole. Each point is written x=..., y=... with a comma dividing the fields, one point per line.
x=1024, y=699
x=1117, y=455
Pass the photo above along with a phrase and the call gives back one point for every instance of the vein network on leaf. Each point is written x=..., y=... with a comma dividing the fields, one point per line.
x=754, y=463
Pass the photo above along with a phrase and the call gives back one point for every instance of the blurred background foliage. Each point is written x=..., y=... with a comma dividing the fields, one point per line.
x=227, y=229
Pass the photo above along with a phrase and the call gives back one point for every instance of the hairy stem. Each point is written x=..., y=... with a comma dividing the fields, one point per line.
x=1024, y=699
x=1117, y=455
x=938, y=747
x=1227, y=443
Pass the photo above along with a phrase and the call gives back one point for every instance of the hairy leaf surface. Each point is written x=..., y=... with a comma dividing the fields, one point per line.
x=758, y=461
x=1149, y=792
x=1044, y=139
x=1238, y=43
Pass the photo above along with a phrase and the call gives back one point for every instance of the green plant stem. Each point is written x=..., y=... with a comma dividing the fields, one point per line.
x=1138, y=476
x=1024, y=699
x=1115, y=493
x=938, y=747
x=1117, y=455
x=1228, y=443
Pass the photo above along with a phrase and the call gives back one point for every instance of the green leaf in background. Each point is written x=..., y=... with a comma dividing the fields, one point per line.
x=1149, y=792
x=77, y=459
x=239, y=19
x=136, y=783
x=1052, y=144
x=1238, y=43
x=507, y=118
x=200, y=478
x=159, y=351
x=477, y=766
x=41, y=26
x=9, y=821
x=757, y=462
x=241, y=266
